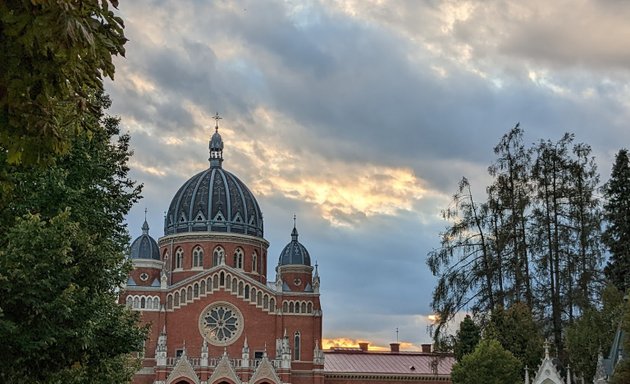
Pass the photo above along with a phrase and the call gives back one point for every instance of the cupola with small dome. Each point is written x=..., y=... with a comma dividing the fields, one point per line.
x=214, y=200
x=144, y=247
x=294, y=266
x=294, y=253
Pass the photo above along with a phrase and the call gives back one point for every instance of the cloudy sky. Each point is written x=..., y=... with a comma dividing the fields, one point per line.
x=360, y=117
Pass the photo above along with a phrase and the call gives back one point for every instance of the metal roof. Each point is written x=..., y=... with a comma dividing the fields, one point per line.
x=402, y=363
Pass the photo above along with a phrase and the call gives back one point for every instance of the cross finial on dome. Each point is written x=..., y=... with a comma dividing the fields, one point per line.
x=216, y=118
x=145, y=225
x=294, y=233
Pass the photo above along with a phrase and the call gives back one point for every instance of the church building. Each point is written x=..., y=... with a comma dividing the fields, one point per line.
x=216, y=318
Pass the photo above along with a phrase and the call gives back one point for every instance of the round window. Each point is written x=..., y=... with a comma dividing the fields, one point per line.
x=221, y=323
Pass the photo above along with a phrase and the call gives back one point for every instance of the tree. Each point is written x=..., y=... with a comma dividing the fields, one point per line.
x=517, y=332
x=463, y=261
x=616, y=235
x=62, y=258
x=593, y=333
x=510, y=194
x=489, y=363
x=466, y=338
x=54, y=55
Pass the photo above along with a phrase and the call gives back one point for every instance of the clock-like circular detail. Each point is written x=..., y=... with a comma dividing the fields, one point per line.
x=221, y=323
x=297, y=281
x=144, y=276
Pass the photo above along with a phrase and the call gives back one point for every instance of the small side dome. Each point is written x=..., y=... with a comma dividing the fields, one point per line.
x=144, y=247
x=294, y=253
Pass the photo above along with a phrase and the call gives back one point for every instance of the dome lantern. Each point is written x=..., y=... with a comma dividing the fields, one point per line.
x=144, y=247
x=216, y=145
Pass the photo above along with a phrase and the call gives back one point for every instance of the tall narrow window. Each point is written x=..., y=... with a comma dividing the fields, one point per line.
x=255, y=262
x=296, y=346
x=238, y=258
x=217, y=256
x=197, y=256
x=179, y=258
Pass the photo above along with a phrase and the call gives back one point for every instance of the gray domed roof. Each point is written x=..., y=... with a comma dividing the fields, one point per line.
x=144, y=247
x=294, y=253
x=214, y=200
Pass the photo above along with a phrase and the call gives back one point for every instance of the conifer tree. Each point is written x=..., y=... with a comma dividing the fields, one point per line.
x=467, y=338
x=617, y=215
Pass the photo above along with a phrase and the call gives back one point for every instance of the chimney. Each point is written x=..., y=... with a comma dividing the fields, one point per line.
x=364, y=346
x=394, y=347
x=426, y=348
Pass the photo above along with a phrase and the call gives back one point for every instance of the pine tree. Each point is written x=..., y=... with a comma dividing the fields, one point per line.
x=467, y=338
x=617, y=215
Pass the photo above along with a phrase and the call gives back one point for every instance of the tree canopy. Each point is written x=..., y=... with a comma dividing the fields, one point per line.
x=489, y=363
x=54, y=56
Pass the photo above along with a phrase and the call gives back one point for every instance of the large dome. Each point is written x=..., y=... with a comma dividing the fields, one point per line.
x=214, y=201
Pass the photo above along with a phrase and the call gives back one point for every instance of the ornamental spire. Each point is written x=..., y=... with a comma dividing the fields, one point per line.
x=294, y=233
x=145, y=225
x=216, y=145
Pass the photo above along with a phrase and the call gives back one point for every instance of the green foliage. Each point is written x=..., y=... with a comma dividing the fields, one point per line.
x=489, y=363
x=518, y=333
x=593, y=333
x=535, y=239
x=467, y=338
x=54, y=55
x=63, y=245
x=617, y=211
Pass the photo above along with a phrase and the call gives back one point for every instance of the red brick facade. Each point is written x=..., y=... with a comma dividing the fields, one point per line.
x=213, y=315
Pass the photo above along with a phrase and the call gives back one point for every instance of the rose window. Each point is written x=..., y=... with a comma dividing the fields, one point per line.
x=221, y=323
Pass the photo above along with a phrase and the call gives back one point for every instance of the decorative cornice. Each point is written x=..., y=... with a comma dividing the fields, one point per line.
x=147, y=263
x=213, y=236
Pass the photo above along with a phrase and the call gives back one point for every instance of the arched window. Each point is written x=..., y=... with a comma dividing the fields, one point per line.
x=218, y=256
x=265, y=302
x=196, y=290
x=136, y=302
x=176, y=299
x=179, y=258
x=169, y=302
x=202, y=287
x=197, y=256
x=297, y=307
x=222, y=279
x=272, y=304
x=182, y=296
x=246, y=291
x=254, y=262
x=240, y=288
x=296, y=346
x=129, y=301
x=156, y=303
x=285, y=307
x=309, y=308
x=253, y=294
x=303, y=307
x=234, y=285
x=291, y=307
x=259, y=298
x=189, y=294
x=238, y=258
